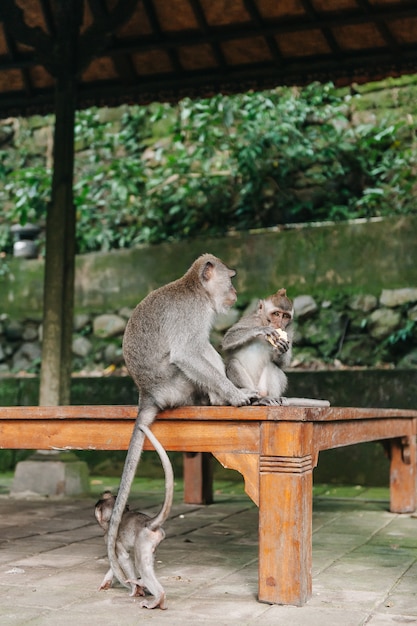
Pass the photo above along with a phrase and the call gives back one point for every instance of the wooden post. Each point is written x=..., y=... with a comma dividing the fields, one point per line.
x=403, y=497
x=198, y=478
x=285, y=513
x=55, y=380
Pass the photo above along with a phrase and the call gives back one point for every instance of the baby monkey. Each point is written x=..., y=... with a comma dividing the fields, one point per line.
x=259, y=346
x=138, y=537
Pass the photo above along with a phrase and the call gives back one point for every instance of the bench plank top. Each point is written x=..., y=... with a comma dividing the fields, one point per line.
x=205, y=413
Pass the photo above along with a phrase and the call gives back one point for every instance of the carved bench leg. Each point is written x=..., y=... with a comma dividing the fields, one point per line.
x=403, y=475
x=282, y=488
x=285, y=515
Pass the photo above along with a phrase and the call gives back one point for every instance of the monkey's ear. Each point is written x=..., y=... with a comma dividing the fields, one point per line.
x=208, y=271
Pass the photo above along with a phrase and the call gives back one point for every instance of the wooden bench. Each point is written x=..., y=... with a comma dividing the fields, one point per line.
x=275, y=448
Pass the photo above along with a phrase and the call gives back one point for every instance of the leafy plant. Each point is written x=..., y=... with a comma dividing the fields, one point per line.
x=403, y=334
x=206, y=167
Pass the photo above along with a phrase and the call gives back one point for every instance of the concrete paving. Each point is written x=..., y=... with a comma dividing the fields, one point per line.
x=53, y=558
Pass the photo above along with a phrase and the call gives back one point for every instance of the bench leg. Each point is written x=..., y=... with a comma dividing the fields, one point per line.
x=403, y=475
x=285, y=524
x=198, y=478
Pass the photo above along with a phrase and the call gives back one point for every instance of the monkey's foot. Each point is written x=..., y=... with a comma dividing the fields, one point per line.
x=268, y=401
x=251, y=395
x=148, y=604
x=153, y=604
x=137, y=587
x=106, y=583
x=137, y=591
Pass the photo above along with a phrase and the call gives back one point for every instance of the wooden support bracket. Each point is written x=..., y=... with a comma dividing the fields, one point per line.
x=248, y=466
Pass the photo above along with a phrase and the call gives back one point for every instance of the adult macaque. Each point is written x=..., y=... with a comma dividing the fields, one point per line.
x=259, y=346
x=138, y=537
x=168, y=353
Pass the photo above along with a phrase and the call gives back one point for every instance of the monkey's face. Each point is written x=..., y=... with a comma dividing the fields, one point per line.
x=231, y=294
x=279, y=318
x=220, y=287
x=279, y=310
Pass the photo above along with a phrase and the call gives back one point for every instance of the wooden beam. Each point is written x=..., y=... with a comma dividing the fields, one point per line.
x=55, y=382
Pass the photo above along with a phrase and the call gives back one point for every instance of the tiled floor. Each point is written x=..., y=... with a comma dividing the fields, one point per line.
x=53, y=557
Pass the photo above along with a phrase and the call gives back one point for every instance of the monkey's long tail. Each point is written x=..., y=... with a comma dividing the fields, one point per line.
x=129, y=470
x=159, y=519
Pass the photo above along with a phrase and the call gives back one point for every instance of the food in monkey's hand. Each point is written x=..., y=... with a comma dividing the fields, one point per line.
x=274, y=339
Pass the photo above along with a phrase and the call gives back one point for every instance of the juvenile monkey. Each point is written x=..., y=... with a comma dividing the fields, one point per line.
x=167, y=351
x=139, y=536
x=259, y=346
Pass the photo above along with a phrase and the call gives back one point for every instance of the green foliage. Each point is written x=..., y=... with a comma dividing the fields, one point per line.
x=9, y=458
x=403, y=335
x=210, y=166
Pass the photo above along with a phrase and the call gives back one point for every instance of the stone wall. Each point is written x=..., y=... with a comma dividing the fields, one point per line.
x=325, y=259
x=359, y=330
x=354, y=287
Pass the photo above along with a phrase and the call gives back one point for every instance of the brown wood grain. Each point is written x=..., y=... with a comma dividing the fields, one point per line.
x=275, y=449
x=84, y=434
x=227, y=413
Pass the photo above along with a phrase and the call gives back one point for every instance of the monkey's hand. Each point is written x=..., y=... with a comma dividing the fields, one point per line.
x=246, y=396
x=282, y=346
x=278, y=339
